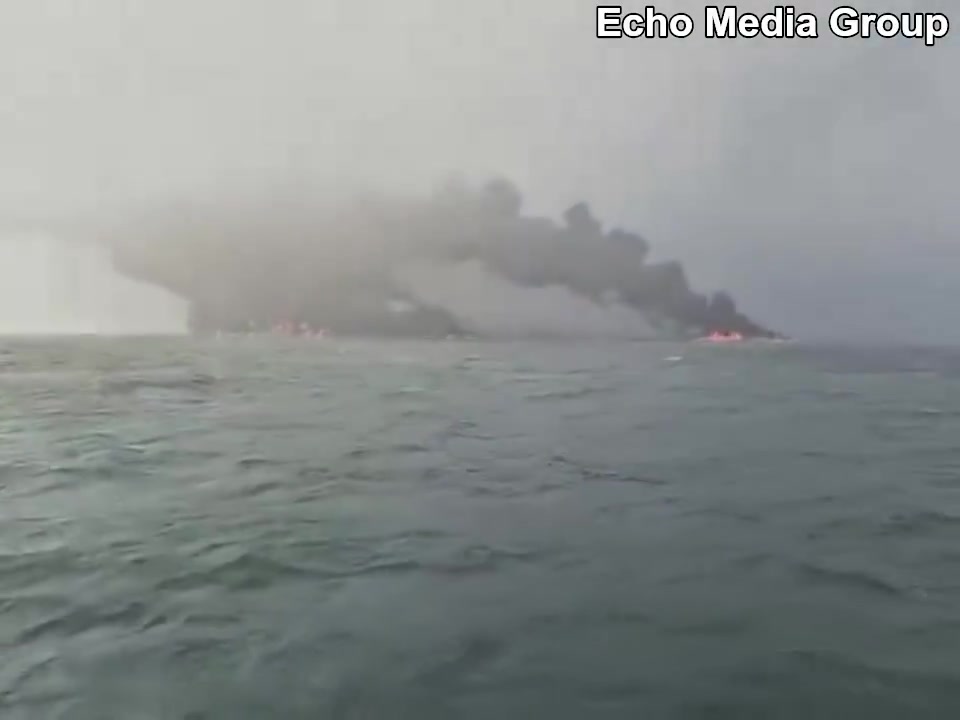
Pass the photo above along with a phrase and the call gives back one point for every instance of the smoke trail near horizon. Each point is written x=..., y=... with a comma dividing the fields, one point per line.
x=485, y=303
x=262, y=261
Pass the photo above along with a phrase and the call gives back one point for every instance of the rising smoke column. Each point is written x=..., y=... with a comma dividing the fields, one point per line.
x=266, y=260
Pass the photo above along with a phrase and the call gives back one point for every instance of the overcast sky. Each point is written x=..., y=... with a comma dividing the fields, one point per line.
x=813, y=178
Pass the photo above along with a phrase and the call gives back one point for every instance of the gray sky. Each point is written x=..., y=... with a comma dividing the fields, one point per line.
x=812, y=178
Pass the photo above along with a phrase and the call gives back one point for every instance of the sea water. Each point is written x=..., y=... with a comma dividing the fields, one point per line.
x=274, y=528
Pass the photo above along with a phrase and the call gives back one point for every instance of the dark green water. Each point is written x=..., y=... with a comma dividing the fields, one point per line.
x=260, y=529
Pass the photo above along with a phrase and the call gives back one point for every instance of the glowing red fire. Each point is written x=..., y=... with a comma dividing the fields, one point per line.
x=724, y=336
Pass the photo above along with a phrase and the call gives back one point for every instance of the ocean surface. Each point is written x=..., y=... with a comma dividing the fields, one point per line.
x=265, y=528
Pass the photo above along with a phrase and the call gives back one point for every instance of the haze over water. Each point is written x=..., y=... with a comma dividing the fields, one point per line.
x=51, y=286
x=268, y=528
x=260, y=527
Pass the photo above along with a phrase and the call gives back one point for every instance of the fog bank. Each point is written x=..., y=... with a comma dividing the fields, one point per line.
x=56, y=287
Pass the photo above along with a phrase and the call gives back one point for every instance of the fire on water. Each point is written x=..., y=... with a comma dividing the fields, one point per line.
x=724, y=337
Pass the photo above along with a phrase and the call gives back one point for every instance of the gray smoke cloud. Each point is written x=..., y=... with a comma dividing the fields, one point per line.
x=486, y=304
x=467, y=259
x=814, y=178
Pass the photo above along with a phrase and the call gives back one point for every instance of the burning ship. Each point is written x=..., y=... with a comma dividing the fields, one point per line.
x=294, y=265
x=724, y=336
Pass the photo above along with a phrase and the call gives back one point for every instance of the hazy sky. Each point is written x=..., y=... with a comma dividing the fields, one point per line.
x=814, y=178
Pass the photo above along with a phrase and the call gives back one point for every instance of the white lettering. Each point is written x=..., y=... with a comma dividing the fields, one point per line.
x=912, y=27
x=633, y=25
x=888, y=26
x=611, y=23
x=844, y=22
x=937, y=26
x=608, y=22
x=660, y=27
x=783, y=22
x=807, y=26
x=748, y=26
x=721, y=26
x=681, y=25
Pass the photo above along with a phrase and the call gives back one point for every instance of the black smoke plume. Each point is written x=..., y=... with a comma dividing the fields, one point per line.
x=251, y=265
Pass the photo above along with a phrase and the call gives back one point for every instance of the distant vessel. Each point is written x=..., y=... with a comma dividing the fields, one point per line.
x=292, y=329
x=724, y=337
